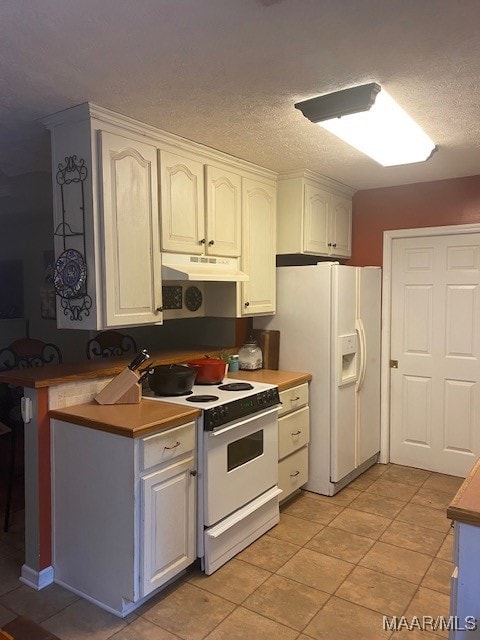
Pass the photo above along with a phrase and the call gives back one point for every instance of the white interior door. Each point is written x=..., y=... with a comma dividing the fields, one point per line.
x=435, y=337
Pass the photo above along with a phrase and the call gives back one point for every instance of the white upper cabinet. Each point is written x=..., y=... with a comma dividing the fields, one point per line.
x=106, y=235
x=316, y=222
x=314, y=216
x=124, y=192
x=341, y=227
x=200, y=207
x=258, y=251
x=182, y=204
x=130, y=231
x=224, y=212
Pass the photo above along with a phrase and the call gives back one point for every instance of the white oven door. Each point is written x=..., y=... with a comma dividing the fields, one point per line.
x=240, y=463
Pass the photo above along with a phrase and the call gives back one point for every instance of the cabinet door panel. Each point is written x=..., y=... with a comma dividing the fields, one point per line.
x=317, y=207
x=181, y=189
x=130, y=232
x=223, y=212
x=258, y=248
x=168, y=506
x=341, y=231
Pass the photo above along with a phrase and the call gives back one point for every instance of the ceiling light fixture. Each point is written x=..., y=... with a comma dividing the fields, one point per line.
x=370, y=120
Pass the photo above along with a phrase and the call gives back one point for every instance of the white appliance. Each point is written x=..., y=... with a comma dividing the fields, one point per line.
x=237, y=453
x=329, y=320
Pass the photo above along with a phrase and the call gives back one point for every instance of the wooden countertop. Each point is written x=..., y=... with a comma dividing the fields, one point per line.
x=283, y=379
x=465, y=507
x=130, y=420
x=133, y=420
x=51, y=375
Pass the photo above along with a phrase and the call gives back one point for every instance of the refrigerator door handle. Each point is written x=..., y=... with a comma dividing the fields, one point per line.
x=363, y=353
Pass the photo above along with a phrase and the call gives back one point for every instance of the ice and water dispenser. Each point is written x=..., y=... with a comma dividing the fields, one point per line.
x=347, y=349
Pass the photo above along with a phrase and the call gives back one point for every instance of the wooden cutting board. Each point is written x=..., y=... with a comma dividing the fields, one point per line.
x=269, y=342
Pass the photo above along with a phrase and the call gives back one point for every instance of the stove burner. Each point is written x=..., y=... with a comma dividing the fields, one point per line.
x=236, y=386
x=173, y=395
x=204, y=398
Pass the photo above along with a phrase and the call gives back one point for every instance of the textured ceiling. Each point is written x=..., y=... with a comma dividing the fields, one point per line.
x=226, y=73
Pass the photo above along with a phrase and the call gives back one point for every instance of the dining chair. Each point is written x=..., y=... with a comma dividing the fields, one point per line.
x=109, y=344
x=21, y=354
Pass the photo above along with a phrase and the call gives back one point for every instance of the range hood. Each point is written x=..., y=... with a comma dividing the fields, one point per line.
x=177, y=266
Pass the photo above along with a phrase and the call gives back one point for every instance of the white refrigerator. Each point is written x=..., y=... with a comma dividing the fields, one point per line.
x=329, y=320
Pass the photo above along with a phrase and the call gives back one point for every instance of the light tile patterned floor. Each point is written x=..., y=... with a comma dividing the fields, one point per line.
x=329, y=571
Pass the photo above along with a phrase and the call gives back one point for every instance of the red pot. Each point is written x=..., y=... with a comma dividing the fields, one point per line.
x=209, y=370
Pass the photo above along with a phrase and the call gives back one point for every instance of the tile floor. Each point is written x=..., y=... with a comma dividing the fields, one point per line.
x=329, y=571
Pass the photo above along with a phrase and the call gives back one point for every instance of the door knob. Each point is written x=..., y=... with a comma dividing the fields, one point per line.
x=393, y=364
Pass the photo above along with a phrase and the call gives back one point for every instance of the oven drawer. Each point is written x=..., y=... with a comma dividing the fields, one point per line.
x=293, y=432
x=162, y=447
x=293, y=398
x=293, y=472
x=240, y=529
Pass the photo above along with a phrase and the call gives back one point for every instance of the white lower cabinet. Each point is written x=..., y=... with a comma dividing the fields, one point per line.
x=293, y=439
x=124, y=518
x=465, y=582
x=168, y=498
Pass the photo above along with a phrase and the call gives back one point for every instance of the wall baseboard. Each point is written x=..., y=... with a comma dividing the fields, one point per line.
x=37, y=579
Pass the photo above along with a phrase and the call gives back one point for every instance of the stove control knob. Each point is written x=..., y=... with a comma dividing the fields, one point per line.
x=213, y=415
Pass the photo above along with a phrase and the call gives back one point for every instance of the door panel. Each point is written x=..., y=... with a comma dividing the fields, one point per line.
x=369, y=282
x=317, y=207
x=435, y=336
x=224, y=213
x=343, y=437
x=130, y=228
x=181, y=188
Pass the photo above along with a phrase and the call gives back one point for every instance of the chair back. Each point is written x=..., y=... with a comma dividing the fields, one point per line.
x=28, y=352
x=109, y=344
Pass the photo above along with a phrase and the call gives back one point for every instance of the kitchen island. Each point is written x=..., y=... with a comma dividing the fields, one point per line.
x=54, y=388
x=464, y=511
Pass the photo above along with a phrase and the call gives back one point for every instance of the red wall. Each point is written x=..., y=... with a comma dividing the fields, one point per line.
x=425, y=204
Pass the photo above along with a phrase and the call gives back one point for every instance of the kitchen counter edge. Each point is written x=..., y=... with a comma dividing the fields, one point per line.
x=465, y=506
x=51, y=375
x=129, y=420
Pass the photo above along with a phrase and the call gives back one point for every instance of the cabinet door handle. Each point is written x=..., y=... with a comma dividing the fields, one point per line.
x=294, y=475
x=211, y=242
x=329, y=244
x=296, y=433
x=202, y=241
x=247, y=304
x=193, y=472
x=334, y=244
x=174, y=446
x=294, y=399
x=159, y=309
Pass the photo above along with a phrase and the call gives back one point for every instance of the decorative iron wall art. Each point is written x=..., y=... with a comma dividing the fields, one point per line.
x=70, y=275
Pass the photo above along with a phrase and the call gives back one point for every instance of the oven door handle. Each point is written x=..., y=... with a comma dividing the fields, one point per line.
x=250, y=418
x=219, y=529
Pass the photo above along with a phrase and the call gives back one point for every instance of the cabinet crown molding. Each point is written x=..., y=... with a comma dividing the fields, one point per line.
x=90, y=111
x=320, y=180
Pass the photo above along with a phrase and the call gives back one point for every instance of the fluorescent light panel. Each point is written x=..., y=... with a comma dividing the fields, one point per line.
x=383, y=131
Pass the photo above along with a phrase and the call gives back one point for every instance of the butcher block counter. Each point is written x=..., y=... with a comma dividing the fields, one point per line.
x=133, y=420
x=283, y=379
x=130, y=420
x=51, y=375
x=465, y=507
